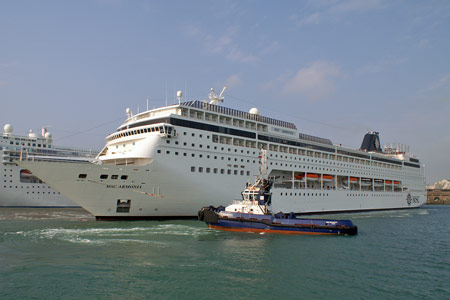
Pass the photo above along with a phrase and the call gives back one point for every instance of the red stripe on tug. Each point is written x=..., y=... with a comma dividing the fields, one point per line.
x=256, y=230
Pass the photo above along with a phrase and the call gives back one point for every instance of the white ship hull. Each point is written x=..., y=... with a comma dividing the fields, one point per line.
x=19, y=187
x=15, y=193
x=170, y=162
x=162, y=191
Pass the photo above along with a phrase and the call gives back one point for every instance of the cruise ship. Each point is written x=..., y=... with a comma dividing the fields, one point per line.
x=173, y=160
x=20, y=188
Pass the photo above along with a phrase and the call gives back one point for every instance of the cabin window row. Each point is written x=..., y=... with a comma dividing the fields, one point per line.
x=297, y=151
x=160, y=129
x=219, y=171
x=207, y=156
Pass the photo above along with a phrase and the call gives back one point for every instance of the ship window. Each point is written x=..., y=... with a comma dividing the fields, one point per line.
x=248, y=173
x=229, y=172
x=200, y=169
x=208, y=170
x=215, y=170
x=242, y=173
x=167, y=152
x=192, y=169
x=103, y=176
x=159, y=151
x=82, y=176
x=168, y=141
x=235, y=172
x=124, y=177
x=114, y=176
x=222, y=171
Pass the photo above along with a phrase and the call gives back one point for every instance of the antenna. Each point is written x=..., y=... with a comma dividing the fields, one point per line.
x=147, y=103
x=215, y=99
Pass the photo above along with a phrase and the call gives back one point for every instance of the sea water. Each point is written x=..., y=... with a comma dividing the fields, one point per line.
x=66, y=254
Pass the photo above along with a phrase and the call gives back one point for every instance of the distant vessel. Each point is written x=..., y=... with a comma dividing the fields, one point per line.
x=164, y=161
x=252, y=214
x=19, y=187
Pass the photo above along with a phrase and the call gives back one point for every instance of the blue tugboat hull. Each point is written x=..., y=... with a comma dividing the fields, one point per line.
x=279, y=223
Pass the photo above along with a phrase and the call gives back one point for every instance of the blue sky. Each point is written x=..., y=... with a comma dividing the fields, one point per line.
x=334, y=68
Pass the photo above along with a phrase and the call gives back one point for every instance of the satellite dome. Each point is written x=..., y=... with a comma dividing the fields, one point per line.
x=32, y=135
x=48, y=136
x=8, y=128
x=254, y=111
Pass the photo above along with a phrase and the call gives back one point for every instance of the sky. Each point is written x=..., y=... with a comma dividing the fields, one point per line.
x=334, y=68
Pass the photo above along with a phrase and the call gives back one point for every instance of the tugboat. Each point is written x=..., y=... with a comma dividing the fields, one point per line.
x=252, y=213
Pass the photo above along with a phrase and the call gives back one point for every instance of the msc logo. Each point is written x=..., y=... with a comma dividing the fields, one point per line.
x=412, y=199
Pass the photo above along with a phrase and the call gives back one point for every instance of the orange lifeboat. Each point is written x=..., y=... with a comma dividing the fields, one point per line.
x=299, y=177
x=327, y=177
x=388, y=182
x=353, y=179
x=396, y=182
x=312, y=176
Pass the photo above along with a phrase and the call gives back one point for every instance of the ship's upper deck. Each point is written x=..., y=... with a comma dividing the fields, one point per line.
x=248, y=125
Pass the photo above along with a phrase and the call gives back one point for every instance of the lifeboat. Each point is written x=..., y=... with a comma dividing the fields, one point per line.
x=388, y=181
x=299, y=176
x=25, y=173
x=312, y=176
x=366, y=181
x=396, y=182
x=327, y=177
x=378, y=182
x=352, y=180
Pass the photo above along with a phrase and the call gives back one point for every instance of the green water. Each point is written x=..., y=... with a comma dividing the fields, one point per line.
x=66, y=254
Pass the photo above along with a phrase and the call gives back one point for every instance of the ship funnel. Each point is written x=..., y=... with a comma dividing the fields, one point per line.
x=371, y=142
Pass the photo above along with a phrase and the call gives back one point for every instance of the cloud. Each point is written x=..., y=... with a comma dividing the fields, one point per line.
x=326, y=10
x=234, y=80
x=350, y=6
x=381, y=65
x=313, y=18
x=441, y=82
x=423, y=44
x=314, y=81
x=225, y=44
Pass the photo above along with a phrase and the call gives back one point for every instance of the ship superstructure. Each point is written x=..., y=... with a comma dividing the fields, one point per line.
x=170, y=161
x=19, y=187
